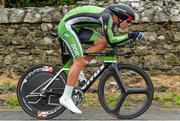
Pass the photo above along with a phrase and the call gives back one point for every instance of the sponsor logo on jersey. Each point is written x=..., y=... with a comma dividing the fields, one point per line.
x=75, y=49
x=84, y=19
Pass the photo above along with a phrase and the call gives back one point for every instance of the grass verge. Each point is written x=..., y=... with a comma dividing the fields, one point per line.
x=13, y=101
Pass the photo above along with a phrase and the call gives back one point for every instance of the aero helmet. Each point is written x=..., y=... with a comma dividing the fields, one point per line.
x=122, y=11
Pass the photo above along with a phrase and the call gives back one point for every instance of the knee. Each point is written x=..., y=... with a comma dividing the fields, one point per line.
x=101, y=42
x=80, y=62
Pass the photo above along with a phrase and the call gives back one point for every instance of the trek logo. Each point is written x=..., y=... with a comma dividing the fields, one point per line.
x=75, y=49
x=92, y=78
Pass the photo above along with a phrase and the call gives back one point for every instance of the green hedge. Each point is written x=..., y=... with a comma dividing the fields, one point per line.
x=39, y=3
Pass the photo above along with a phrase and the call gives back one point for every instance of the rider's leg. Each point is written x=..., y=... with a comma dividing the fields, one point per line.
x=73, y=75
x=78, y=65
x=99, y=42
x=69, y=37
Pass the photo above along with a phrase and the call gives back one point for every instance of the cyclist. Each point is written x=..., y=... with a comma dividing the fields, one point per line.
x=76, y=26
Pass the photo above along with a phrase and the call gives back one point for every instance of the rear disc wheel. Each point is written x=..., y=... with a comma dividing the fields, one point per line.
x=29, y=91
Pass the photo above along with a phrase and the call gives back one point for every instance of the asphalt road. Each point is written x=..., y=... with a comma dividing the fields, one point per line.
x=95, y=114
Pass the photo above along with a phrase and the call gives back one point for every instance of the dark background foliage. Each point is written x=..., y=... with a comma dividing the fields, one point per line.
x=39, y=3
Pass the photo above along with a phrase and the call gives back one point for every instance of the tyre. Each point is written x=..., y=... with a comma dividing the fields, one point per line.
x=29, y=91
x=132, y=99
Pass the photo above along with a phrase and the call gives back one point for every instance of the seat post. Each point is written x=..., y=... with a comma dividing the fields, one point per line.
x=63, y=49
x=65, y=54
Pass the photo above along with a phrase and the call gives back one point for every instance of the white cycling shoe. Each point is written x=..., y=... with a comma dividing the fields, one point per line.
x=69, y=104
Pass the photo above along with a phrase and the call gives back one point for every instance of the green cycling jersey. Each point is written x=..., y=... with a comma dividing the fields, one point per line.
x=77, y=24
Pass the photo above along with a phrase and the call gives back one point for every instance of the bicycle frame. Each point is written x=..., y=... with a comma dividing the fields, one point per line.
x=108, y=58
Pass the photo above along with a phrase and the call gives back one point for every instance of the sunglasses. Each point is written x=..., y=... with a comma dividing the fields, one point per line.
x=128, y=21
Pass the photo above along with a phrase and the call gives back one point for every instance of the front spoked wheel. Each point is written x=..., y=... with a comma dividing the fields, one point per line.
x=128, y=95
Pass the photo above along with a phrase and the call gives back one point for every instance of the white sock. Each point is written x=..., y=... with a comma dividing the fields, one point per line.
x=68, y=91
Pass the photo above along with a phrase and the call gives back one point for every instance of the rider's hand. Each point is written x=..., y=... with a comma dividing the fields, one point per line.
x=137, y=36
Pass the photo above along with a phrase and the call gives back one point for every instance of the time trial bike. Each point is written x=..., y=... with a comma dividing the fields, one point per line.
x=125, y=91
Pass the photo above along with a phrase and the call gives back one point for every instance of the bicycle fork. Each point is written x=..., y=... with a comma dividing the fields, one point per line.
x=119, y=81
